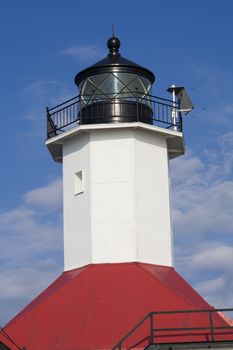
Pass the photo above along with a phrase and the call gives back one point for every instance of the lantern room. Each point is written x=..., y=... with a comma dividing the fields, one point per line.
x=115, y=89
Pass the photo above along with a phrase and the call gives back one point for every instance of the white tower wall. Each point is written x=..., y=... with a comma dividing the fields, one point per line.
x=153, y=215
x=123, y=213
x=76, y=207
x=113, y=196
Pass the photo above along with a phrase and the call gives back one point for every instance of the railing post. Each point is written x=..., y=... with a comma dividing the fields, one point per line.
x=80, y=107
x=180, y=122
x=151, y=328
x=137, y=105
x=47, y=122
x=211, y=325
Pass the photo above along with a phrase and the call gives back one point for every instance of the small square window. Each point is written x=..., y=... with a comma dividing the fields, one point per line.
x=78, y=182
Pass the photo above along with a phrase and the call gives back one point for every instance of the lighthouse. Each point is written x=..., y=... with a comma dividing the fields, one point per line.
x=119, y=288
x=115, y=167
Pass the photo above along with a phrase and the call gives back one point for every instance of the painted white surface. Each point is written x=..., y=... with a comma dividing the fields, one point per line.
x=76, y=208
x=113, y=196
x=153, y=218
x=174, y=138
x=123, y=214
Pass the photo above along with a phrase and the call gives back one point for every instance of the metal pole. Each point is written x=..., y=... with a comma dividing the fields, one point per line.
x=174, y=108
x=211, y=325
x=151, y=328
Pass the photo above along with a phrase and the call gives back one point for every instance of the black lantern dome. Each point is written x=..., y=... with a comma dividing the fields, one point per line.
x=115, y=89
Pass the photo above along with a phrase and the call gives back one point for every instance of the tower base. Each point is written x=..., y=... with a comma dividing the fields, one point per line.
x=94, y=307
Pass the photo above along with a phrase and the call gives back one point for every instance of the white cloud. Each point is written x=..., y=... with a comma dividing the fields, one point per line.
x=49, y=196
x=215, y=285
x=26, y=230
x=208, y=211
x=31, y=236
x=26, y=282
x=41, y=94
x=83, y=52
x=187, y=169
x=26, y=233
x=213, y=256
x=20, y=285
x=203, y=226
x=218, y=292
x=203, y=191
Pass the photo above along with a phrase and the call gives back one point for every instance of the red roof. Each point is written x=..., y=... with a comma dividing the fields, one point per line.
x=95, y=306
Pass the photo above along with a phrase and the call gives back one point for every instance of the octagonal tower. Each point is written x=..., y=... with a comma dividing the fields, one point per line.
x=115, y=141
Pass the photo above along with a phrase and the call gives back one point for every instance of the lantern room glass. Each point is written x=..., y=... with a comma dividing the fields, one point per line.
x=121, y=86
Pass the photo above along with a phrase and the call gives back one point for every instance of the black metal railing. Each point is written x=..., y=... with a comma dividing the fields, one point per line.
x=211, y=330
x=101, y=108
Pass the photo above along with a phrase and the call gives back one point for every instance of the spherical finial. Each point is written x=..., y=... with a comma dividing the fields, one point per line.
x=113, y=45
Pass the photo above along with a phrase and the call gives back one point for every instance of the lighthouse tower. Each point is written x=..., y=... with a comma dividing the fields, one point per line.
x=115, y=167
x=119, y=289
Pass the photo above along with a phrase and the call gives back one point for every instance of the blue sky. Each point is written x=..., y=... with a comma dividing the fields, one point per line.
x=43, y=45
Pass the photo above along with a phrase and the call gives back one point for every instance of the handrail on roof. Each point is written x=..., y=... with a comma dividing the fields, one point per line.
x=105, y=108
x=210, y=327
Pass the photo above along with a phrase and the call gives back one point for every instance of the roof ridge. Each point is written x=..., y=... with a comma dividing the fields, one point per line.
x=175, y=291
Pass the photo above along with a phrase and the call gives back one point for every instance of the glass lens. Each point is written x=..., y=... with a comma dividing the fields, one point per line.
x=111, y=85
x=114, y=85
x=97, y=79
